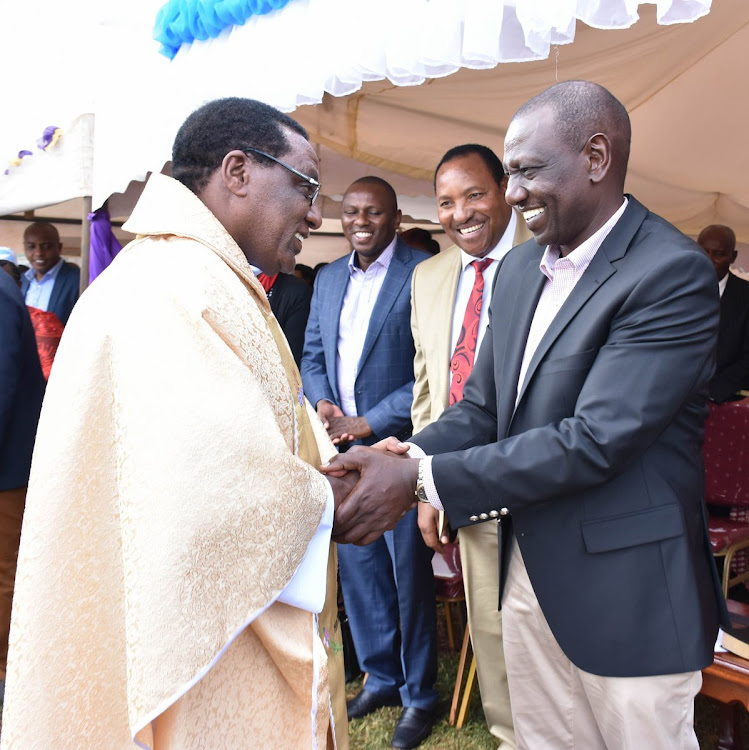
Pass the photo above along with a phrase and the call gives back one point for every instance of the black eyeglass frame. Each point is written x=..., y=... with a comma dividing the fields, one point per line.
x=310, y=180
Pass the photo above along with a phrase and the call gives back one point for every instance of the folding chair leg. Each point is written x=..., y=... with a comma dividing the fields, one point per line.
x=470, y=682
x=459, y=676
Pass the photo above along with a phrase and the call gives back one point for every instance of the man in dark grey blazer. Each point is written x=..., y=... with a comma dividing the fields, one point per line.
x=732, y=366
x=357, y=369
x=581, y=430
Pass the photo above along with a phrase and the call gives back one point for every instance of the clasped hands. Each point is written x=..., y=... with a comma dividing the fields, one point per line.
x=373, y=489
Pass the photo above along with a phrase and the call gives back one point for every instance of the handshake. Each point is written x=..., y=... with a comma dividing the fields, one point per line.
x=373, y=489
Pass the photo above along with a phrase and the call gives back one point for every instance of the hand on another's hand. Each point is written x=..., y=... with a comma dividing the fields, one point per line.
x=383, y=495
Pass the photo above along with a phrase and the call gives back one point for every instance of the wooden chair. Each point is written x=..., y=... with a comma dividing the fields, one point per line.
x=726, y=456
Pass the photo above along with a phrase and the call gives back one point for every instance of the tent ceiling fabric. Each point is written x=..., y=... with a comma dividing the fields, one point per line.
x=681, y=85
x=673, y=78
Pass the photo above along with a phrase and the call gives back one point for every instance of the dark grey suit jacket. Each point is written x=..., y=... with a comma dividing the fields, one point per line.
x=600, y=463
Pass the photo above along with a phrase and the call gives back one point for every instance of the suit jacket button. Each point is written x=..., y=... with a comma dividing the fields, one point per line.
x=503, y=512
x=473, y=518
x=484, y=517
x=493, y=514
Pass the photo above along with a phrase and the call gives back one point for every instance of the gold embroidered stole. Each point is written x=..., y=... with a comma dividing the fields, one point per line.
x=330, y=630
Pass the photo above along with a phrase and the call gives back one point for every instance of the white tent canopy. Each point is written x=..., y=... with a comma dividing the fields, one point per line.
x=681, y=83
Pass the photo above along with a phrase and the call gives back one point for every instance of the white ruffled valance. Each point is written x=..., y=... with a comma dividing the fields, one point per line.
x=100, y=58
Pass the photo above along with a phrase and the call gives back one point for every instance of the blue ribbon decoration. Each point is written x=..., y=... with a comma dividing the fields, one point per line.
x=181, y=22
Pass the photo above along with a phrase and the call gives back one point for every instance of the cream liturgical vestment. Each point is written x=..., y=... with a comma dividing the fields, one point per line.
x=173, y=497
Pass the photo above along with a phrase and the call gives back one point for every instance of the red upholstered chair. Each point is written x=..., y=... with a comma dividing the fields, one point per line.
x=448, y=583
x=726, y=454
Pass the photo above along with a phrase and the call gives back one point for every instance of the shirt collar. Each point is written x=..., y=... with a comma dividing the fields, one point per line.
x=500, y=249
x=51, y=274
x=722, y=284
x=383, y=259
x=584, y=253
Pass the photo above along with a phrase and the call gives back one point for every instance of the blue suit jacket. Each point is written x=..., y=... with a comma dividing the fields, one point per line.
x=385, y=379
x=64, y=292
x=22, y=387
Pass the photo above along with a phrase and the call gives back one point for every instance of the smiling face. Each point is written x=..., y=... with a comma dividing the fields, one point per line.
x=470, y=205
x=275, y=216
x=552, y=183
x=43, y=248
x=369, y=219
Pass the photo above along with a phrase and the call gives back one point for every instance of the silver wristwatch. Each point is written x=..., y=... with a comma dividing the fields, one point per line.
x=420, y=492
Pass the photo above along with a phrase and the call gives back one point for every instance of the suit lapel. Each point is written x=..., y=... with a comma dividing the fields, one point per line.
x=397, y=275
x=330, y=318
x=57, y=288
x=601, y=267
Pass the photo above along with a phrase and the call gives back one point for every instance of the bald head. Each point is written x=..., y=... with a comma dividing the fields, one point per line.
x=582, y=109
x=719, y=242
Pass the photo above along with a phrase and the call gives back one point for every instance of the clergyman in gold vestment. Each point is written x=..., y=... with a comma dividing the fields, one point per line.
x=175, y=554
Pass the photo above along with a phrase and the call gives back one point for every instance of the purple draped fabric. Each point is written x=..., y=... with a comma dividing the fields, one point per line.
x=104, y=245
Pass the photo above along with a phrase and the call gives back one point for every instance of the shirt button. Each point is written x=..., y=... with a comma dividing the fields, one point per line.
x=493, y=514
x=484, y=517
x=473, y=518
x=503, y=512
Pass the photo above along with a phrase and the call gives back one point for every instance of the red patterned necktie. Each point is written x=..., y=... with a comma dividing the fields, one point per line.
x=461, y=363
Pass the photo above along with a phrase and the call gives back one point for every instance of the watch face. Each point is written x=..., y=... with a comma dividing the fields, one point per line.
x=421, y=493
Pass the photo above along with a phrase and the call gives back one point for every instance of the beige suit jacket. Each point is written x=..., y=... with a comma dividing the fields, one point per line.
x=434, y=285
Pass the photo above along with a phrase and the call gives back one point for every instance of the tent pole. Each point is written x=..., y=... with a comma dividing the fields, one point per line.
x=85, y=241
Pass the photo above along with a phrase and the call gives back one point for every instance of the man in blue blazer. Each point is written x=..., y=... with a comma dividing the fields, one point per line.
x=357, y=369
x=21, y=396
x=50, y=284
x=581, y=431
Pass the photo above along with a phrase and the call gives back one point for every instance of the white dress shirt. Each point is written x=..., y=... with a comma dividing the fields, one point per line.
x=358, y=303
x=722, y=285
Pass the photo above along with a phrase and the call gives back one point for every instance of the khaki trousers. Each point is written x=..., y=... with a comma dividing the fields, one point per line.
x=556, y=705
x=11, y=516
x=478, y=555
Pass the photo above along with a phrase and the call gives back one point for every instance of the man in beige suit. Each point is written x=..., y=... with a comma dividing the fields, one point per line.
x=450, y=296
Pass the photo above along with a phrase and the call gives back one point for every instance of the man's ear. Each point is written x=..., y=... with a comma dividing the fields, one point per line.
x=235, y=173
x=598, y=154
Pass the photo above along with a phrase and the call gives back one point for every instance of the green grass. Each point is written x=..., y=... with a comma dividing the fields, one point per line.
x=376, y=730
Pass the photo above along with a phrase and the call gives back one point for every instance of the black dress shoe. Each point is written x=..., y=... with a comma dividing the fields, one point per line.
x=366, y=702
x=413, y=727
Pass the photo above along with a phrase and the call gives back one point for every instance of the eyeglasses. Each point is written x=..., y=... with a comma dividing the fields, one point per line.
x=309, y=180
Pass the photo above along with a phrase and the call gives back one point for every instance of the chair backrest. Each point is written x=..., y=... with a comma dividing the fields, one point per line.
x=448, y=572
x=726, y=454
